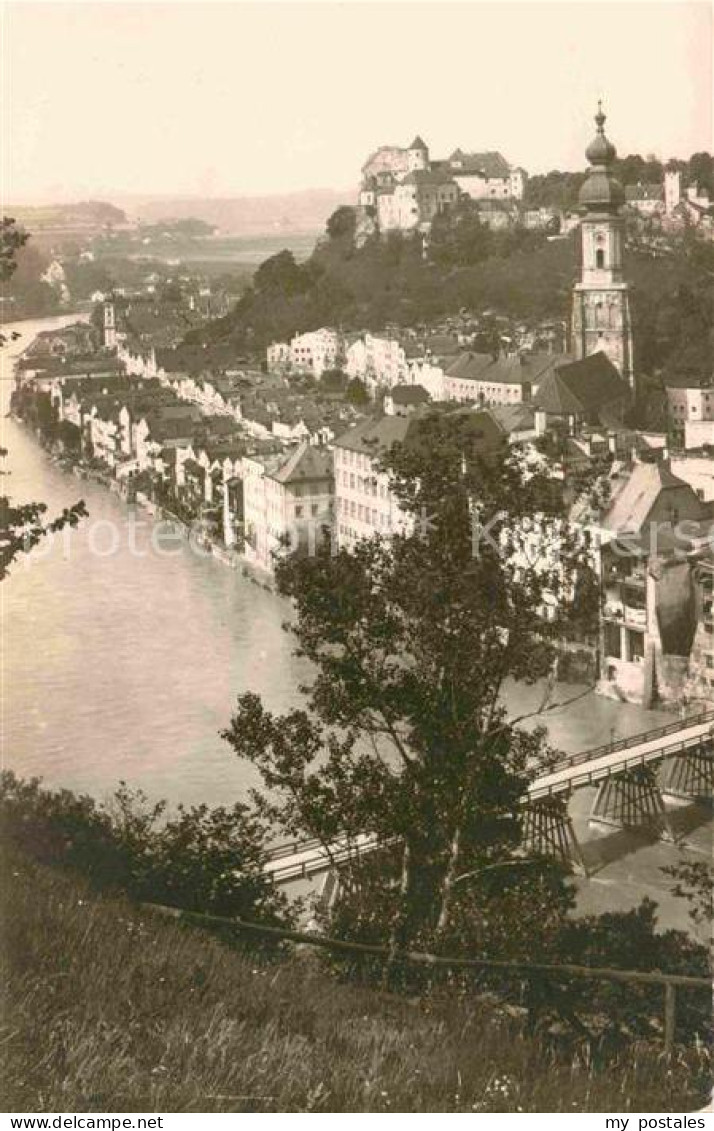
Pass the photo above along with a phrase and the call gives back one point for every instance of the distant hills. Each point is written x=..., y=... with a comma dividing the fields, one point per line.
x=304, y=211
x=84, y=216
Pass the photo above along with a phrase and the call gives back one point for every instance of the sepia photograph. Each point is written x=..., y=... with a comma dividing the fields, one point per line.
x=356, y=561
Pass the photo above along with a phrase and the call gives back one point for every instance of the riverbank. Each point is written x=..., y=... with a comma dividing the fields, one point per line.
x=194, y=529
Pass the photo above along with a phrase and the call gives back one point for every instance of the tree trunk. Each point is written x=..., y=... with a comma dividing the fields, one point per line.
x=447, y=884
x=401, y=915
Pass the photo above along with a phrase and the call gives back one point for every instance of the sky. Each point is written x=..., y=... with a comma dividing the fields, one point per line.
x=232, y=99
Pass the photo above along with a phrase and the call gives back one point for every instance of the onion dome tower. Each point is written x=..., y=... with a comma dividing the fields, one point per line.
x=601, y=304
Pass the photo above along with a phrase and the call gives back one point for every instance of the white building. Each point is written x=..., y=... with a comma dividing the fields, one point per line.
x=364, y=503
x=690, y=401
x=286, y=498
x=486, y=176
x=316, y=351
x=278, y=357
x=692, y=203
x=501, y=379
x=379, y=362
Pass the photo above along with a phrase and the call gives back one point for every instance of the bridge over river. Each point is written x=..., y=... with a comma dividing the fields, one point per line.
x=635, y=776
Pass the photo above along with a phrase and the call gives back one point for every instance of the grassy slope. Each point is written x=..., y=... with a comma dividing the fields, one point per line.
x=114, y=1009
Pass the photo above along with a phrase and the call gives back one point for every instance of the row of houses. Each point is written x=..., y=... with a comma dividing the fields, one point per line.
x=178, y=437
x=447, y=371
x=653, y=547
x=656, y=637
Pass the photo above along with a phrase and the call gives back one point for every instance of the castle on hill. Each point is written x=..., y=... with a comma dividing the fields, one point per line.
x=404, y=189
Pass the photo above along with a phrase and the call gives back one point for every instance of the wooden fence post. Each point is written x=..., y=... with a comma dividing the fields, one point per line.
x=670, y=1016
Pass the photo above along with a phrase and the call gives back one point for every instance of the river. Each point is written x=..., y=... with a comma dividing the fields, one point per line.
x=126, y=664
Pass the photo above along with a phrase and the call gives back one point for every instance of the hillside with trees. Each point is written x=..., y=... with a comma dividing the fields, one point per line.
x=401, y=279
x=558, y=189
x=405, y=281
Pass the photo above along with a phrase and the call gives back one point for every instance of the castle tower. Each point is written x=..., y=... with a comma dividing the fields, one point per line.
x=601, y=304
x=110, y=330
x=672, y=189
x=418, y=155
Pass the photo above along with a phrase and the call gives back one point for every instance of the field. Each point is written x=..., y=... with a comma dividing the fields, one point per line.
x=113, y=1008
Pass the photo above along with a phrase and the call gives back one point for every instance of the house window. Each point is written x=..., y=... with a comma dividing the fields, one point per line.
x=612, y=640
x=636, y=643
x=599, y=259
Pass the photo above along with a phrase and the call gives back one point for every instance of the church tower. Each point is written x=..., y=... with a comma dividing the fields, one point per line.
x=601, y=304
x=110, y=330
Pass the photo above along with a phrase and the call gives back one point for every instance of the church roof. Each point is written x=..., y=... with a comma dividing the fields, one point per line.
x=418, y=143
x=581, y=388
x=518, y=369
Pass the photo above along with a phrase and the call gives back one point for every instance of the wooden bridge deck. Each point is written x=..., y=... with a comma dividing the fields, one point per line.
x=302, y=859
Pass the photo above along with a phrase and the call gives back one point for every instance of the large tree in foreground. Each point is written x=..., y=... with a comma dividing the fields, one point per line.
x=412, y=639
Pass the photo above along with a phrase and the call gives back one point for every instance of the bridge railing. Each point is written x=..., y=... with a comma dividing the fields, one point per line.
x=633, y=740
x=669, y=983
x=581, y=758
x=319, y=858
x=291, y=847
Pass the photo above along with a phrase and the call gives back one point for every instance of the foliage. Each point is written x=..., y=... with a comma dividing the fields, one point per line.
x=84, y=278
x=334, y=381
x=342, y=224
x=627, y=941
x=282, y=274
x=555, y=189
x=700, y=170
x=116, y=1009
x=356, y=392
x=23, y=265
x=22, y=526
x=188, y=229
x=200, y=859
x=21, y=268
x=459, y=238
x=25, y=525
x=402, y=280
x=389, y=280
x=404, y=735
x=12, y=238
x=694, y=881
x=558, y=189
